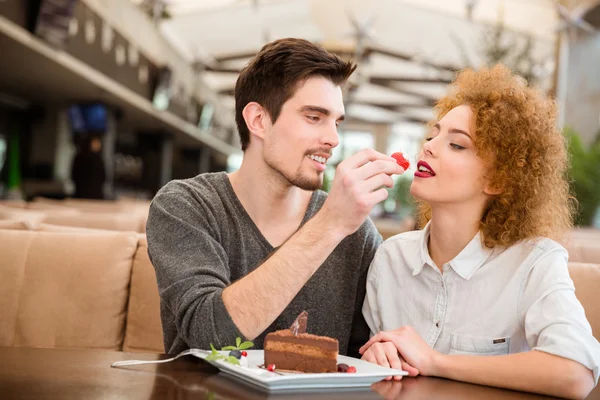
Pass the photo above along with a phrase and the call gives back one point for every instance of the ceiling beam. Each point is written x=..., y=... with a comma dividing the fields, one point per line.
x=405, y=79
x=410, y=58
x=389, y=85
x=392, y=106
x=210, y=68
x=226, y=92
x=235, y=56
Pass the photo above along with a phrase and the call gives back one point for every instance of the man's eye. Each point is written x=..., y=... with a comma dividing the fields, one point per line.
x=313, y=118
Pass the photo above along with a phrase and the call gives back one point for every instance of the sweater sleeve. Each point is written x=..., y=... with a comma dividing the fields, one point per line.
x=360, y=330
x=191, y=269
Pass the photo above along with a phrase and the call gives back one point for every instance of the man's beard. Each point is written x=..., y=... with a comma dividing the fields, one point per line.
x=299, y=180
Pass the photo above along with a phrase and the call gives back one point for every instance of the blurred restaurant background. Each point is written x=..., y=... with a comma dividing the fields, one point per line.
x=111, y=99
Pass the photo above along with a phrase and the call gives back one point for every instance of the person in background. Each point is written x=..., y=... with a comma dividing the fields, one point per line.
x=88, y=172
x=482, y=293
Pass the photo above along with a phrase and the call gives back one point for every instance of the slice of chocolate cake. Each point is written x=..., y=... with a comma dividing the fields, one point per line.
x=294, y=349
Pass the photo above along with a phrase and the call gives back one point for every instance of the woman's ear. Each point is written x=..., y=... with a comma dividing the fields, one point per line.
x=492, y=190
x=257, y=119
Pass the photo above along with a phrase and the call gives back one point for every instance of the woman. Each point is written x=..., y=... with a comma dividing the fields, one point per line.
x=485, y=277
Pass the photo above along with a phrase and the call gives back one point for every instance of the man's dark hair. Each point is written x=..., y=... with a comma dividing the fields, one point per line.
x=270, y=79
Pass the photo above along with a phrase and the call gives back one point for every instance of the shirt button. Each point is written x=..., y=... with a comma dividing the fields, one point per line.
x=437, y=324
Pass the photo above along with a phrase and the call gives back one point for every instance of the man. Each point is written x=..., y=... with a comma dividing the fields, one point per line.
x=243, y=254
x=87, y=171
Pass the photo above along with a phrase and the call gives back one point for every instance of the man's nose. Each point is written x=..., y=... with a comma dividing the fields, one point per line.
x=330, y=136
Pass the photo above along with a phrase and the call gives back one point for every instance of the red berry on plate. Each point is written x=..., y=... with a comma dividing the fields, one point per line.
x=401, y=160
x=244, y=354
x=271, y=367
x=342, y=367
x=351, y=370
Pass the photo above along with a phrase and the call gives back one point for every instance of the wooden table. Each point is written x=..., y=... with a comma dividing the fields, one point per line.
x=86, y=374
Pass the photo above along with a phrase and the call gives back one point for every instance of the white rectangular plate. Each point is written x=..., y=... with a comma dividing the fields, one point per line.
x=366, y=374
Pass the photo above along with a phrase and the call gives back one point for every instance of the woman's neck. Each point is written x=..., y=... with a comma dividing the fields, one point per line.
x=450, y=231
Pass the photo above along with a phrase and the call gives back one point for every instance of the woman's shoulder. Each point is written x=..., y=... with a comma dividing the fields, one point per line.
x=408, y=238
x=541, y=246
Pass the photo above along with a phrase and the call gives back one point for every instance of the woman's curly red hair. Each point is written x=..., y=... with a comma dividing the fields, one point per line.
x=526, y=155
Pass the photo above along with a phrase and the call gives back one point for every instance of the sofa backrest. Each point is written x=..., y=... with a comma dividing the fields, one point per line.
x=586, y=278
x=59, y=215
x=144, y=330
x=65, y=289
x=583, y=245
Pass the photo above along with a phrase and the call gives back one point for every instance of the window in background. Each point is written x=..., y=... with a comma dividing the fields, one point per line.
x=163, y=90
x=206, y=117
x=2, y=152
x=408, y=139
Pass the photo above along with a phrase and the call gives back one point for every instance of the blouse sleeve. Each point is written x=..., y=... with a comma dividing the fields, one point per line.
x=553, y=319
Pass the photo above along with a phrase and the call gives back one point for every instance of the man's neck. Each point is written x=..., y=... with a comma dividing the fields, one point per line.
x=269, y=199
x=450, y=231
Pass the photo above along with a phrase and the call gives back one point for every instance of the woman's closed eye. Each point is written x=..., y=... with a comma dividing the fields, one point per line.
x=457, y=146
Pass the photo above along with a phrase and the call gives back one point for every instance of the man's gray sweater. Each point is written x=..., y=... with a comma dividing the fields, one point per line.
x=201, y=240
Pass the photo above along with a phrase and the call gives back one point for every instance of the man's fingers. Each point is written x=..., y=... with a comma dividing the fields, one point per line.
x=376, y=182
x=378, y=167
x=364, y=156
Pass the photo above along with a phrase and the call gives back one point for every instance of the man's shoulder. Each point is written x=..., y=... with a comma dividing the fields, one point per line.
x=207, y=185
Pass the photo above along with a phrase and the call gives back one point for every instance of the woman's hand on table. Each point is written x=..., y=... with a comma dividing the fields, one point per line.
x=401, y=348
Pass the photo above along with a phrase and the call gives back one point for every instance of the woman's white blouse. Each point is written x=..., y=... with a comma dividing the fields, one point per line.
x=486, y=302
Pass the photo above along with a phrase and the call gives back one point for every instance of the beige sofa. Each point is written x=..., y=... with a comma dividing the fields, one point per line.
x=116, y=215
x=77, y=288
x=84, y=288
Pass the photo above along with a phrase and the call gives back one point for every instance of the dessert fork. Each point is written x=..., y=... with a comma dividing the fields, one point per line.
x=140, y=362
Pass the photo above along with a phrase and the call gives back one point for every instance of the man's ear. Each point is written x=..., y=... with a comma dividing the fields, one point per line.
x=257, y=119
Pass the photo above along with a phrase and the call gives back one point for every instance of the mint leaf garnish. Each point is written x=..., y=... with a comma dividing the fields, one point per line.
x=228, y=348
x=233, y=360
x=238, y=341
x=215, y=357
x=245, y=345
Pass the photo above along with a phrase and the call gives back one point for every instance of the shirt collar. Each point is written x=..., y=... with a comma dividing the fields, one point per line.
x=465, y=264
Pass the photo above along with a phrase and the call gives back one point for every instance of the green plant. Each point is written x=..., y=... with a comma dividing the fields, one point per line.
x=584, y=175
x=405, y=203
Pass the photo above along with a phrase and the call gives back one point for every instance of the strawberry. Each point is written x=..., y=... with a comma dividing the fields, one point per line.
x=403, y=162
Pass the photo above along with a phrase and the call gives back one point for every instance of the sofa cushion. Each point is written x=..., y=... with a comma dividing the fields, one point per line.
x=17, y=224
x=586, y=278
x=12, y=271
x=95, y=220
x=144, y=330
x=65, y=289
x=20, y=214
x=583, y=249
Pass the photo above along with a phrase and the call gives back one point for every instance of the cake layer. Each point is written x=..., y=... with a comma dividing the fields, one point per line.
x=298, y=362
x=300, y=349
x=285, y=335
